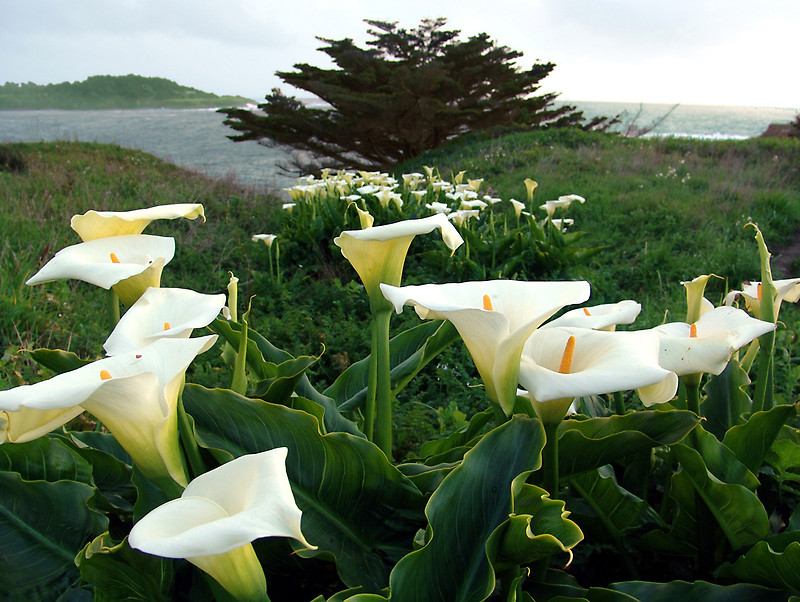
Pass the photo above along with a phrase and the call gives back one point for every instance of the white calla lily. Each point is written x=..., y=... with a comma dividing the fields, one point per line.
x=559, y=364
x=787, y=290
x=518, y=206
x=128, y=263
x=163, y=312
x=220, y=514
x=494, y=318
x=462, y=216
x=101, y=224
x=562, y=202
x=267, y=239
x=705, y=346
x=379, y=253
x=600, y=317
x=134, y=395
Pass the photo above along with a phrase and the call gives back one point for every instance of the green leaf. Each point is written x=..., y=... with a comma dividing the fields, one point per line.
x=121, y=573
x=538, y=529
x=472, y=501
x=409, y=352
x=737, y=510
x=751, y=441
x=584, y=445
x=45, y=459
x=42, y=527
x=57, y=360
x=279, y=388
x=721, y=461
x=460, y=438
x=696, y=591
x=617, y=509
x=355, y=504
x=726, y=399
x=263, y=357
x=763, y=565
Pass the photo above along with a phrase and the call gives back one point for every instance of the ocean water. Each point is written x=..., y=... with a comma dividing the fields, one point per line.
x=197, y=139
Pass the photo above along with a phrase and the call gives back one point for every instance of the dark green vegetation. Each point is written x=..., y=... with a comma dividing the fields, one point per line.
x=111, y=92
x=409, y=92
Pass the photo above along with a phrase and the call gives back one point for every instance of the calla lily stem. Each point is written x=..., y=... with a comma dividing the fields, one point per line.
x=196, y=464
x=550, y=459
x=113, y=307
x=378, y=419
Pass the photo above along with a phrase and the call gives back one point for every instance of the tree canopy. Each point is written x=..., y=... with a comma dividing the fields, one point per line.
x=408, y=92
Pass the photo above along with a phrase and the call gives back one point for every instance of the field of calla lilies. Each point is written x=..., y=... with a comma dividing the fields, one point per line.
x=606, y=462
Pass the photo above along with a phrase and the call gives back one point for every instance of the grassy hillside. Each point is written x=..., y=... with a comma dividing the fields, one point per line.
x=659, y=211
x=112, y=92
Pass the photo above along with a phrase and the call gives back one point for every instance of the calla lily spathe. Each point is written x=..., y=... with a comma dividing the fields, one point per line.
x=267, y=239
x=134, y=394
x=163, y=312
x=561, y=203
x=129, y=263
x=219, y=514
x=494, y=318
x=27, y=424
x=787, y=290
x=705, y=346
x=379, y=253
x=599, y=362
x=101, y=224
x=600, y=317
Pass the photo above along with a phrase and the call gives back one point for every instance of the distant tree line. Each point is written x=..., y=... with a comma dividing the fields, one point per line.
x=110, y=92
x=408, y=92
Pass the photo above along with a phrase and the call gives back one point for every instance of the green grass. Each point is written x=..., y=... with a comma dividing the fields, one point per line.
x=661, y=210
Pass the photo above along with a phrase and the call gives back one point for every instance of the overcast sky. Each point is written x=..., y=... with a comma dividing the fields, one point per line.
x=732, y=52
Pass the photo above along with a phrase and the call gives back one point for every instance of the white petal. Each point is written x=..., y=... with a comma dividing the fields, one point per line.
x=599, y=316
x=92, y=261
x=230, y=506
x=101, y=224
x=163, y=312
x=603, y=362
x=410, y=227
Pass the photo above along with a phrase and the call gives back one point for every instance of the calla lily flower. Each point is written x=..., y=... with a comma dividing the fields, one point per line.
x=562, y=203
x=101, y=224
x=562, y=224
x=27, y=424
x=462, y=216
x=379, y=253
x=128, y=263
x=288, y=206
x=267, y=239
x=705, y=346
x=438, y=207
x=787, y=290
x=599, y=317
x=530, y=186
x=559, y=364
x=134, y=394
x=220, y=514
x=163, y=312
x=518, y=206
x=475, y=204
x=494, y=318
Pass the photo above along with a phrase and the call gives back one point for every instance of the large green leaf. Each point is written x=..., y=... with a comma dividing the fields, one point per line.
x=584, y=445
x=726, y=399
x=58, y=360
x=45, y=459
x=751, y=441
x=697, y=591
x=42, y=527
x=409, y=352
x=763, y=565
x=737, y=510
x=616, y=509
x=472, y=501
x=720, y=460
x=118, y=572
x=460, y=438
x=538, y=528
x=263, y=357
x=355, y=504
